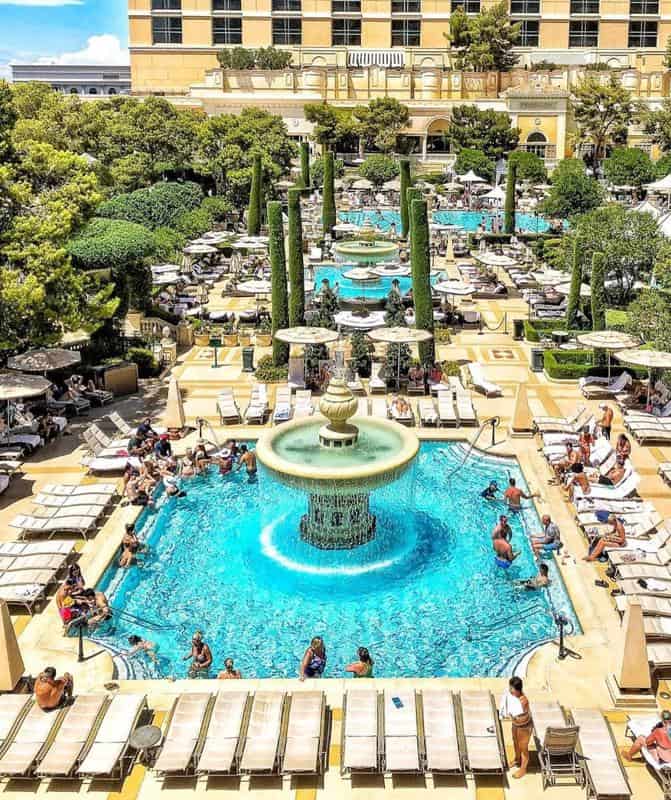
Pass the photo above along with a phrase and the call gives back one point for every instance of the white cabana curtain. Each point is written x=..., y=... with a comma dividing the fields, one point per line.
x=375, y=58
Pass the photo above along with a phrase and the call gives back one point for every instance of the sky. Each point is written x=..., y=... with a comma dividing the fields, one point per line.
x=64, y=31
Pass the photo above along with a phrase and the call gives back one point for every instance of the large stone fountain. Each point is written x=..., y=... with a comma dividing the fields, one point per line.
x=338, y=461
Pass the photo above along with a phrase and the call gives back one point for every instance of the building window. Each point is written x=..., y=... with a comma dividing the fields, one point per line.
x=406, y=6
x=227, y=30
x=584, y=6
x=536, y=144
x=226, y=5
x=93, y=90
x=111, y=91
x=287, y=30
x=346, y=7
x=528, y=32
x=74, y=91
x=469, y=6
x=166, y=5
x=524, y=7
x=166, y=30
x=346, y=33
x=647, y=7
x=583, y=33
x=642, y=33
x=286, y=5
x=405, y=32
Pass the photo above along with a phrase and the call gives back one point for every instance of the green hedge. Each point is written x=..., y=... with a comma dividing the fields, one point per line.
x=160, y=204
x=575, y=364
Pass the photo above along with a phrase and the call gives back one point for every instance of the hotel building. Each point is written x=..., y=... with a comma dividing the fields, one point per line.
x=349, y=51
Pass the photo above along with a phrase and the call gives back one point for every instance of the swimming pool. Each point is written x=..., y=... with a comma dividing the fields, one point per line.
x=347, y=288
x=425, y=596
x=468, y=220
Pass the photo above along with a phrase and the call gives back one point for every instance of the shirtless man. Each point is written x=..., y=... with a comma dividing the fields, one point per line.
x=513, y=496
x=573, y=456
x=502, y=530
x=503, y=550
x=606, y=421
x=614, y=474
x=248, y=460
x=52, y=692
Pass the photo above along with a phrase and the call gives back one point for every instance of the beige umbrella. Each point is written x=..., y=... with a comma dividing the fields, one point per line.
x=608, y=340
x=11, y=661
x=46, y=360
x=495, y=260
x=362, y=184
x=393, y=185
x=454, y=288
x=306, y=336
x=14, y=385
x=652, y=359
x=565, y=289
x=399, y=336
x=174, y=410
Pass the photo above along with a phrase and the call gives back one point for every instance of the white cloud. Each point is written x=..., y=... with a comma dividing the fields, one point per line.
x=41, y=2
x=103, y=49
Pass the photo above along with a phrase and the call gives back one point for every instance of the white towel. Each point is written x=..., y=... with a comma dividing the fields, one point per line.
x=510, y=706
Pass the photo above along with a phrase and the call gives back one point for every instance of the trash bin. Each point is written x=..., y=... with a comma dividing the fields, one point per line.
x=248, y=359
x=537, y=359
x=518, y=329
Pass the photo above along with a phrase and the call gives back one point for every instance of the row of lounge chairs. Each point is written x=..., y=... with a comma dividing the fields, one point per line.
x=28, y=569
x=89, y=738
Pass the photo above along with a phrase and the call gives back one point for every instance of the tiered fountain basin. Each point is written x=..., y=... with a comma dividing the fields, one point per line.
x=364, y=252
x=338, y=462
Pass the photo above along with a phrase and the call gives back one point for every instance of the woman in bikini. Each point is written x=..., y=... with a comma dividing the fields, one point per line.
x=522, y=728
x=363, y=668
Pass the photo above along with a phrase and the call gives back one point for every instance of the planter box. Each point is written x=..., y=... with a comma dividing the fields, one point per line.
x=202, y=339
x=244, y=339
x=230, y=340
x=264, y=340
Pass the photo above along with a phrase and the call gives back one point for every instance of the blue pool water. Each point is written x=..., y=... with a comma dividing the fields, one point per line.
x=425, y=596
x=468, y=220
x=349, y=288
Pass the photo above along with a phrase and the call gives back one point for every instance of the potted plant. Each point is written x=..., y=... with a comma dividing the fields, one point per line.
x=201, y=333
x=244, y=337
x=230, y=336
x=263, y=333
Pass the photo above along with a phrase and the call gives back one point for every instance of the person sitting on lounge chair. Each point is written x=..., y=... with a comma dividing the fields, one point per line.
x=616, y=537
x=416, y=375
x=574, y=455
x=52, y=692
x=658, y=741
x=400, y=407
x=550, y=538
x=623, y=446
x=614, y=474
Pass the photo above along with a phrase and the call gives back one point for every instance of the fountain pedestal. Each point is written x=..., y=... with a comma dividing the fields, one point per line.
x=338, y=522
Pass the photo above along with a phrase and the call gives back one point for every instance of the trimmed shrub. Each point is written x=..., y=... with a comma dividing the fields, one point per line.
x=509, y=211
x=278, y=280
x=254, y=210
x=267, y=372
x=597, y=282
x=305, y=165
x=217, y=206
x=362, y=349
x=412, y=193
x=328, y=198
x=158, y=205
x=573, y=303
x=317, y=170
x=379, y=169
x=296, y=267
x=169, y=244
x=406, y=182
x=147, y=365
x=193, y=224
x=111, y=244
x=420, y=262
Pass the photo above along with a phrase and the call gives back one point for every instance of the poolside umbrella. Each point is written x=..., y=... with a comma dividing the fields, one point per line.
x=46, y=360
x=399, y=336
x=256, y=287
x=495, y=260
x=471, y=177
x=549, y=277
x=15, y=385
x=453, y=186
x=454, y=288
x=652, y=359
x=392, y=185
x=363, y=184
x=174, y=418
x=199, y=249
x=359, y=274
x=358, y=321
x=306, y=336
x=585, y=292
x=612, y=341
x=11, y=660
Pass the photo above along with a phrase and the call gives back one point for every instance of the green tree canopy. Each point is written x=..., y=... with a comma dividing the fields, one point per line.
x=530, y=167
x=484, y=41
x=602, y=112
x=573, y=191
x=332, y=126
x=379, y=123
x=160, y=204
x=317, y=170
x=475, y=160
x=379, y=168
x=657, y=124
x=629, y=166
x=649, y=318
x=481, y=129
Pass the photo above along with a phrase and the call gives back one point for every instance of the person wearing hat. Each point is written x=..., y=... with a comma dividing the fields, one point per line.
x=658, y=741
x=490, y=492
x=163, y=448
x=606, y=421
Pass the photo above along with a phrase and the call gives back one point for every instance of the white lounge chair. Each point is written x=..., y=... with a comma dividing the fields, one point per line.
x=258, y=405
x=625, y=488
x=13, y=707
x=107, y=754
x=376, y=384
x=480, y=382
x=74, y=523
x=107, y=441
x=484, y=751
x=220, y=754
x=303, y=403
x=22, y=750
x=401, y=732
x=360, y=732
x=76, y=489
x=72, y=501
x=447, y=415
x=262, y=742
x=13, y=549
x=282, y=410
x=595, y=390
x=604, y=772
x=184, y=727
x=556, y=744
x=440, y=732
x=379, y=408
x=427, y=411
x=229, y=413
x=305, y=746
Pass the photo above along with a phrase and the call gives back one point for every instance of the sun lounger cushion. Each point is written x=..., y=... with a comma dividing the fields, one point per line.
x=223, y=733
x=440, y=732
x=111, y=739
x=183, y=733
x=304, y=732
x=482, y=747
x=30, y=738
x=601, y=760
x=361, y=744
x=263, y=732
x=72, y=735
x=12, y=707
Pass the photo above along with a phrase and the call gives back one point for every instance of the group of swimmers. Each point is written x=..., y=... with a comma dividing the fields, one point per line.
x=230, y=458
x=78, y=604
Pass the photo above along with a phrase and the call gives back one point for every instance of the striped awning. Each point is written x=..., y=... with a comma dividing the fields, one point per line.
x=375, y=58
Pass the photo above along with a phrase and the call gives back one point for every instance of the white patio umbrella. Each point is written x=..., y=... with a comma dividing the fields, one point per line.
x=496, y=194
x=495, y=259
x=14, y=385
x=306, y=336
x=362, y=184
x=549, y=277
x=398, y=336
x=454, y=288
x=199, y=249
x=257, y=288
x=565, y=289
x=471, y=177
x=652, y=359
x=350, y=319
x=662, y=186
x=453, y=186
x=45, y=360
x=612, y=341
x=393, y=185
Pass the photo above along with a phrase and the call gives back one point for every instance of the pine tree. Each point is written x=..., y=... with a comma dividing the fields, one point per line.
x=278, y=280
x=406, y=183
x=509, y=211
x=420, y=261
x=361, y=354
x=255, y=193
x=296, y=270
x=328, y=194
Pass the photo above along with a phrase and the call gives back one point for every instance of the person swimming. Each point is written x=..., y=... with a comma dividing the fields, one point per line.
x=491, y=491
x=140, y=645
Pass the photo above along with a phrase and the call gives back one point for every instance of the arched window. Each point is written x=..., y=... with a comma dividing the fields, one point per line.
x=536, y=143
x=93, y=90
x=112, y=91
x=74, y=90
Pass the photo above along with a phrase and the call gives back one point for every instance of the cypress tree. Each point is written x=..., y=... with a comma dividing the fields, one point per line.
x=509, y=209
x=296, y=271
x=573, y=303
x=420, y=262
x=278, y=280
x=405, y=185
x=411, y=193
x=328, y=194
x=254, y=210
x=598, y=292
x=305, y=165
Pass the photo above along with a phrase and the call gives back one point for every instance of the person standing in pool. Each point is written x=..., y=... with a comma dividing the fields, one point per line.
x=363, y=667
x=248, y=460
x=314, y=660
x=502, y=529
x=503, y=552
x=200, y=655
x=513, y=496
